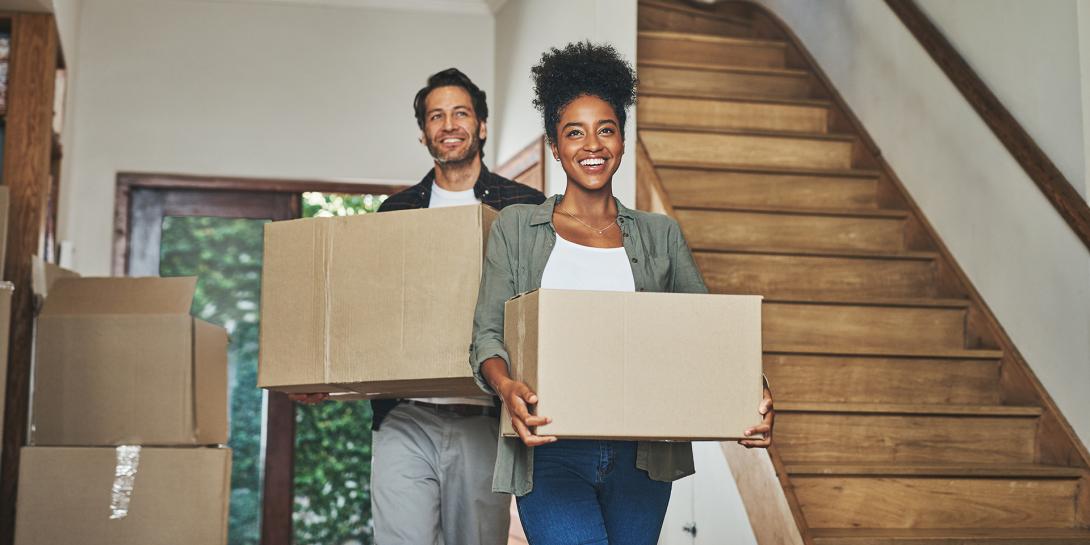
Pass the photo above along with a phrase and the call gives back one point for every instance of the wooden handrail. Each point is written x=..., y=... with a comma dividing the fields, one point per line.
x=1057, y=188
x=650, y=194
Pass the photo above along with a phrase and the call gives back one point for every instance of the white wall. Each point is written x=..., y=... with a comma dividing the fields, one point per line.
x=527, y=28
x=1084, y=69
x=1026, y=262
x=1028, y=54
x=251, y=90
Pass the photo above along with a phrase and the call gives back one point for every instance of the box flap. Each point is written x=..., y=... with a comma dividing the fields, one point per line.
x=150, y=295
x=210, y=383
x=43, y=275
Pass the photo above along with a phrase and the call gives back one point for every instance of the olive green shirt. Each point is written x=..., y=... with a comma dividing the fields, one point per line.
x=519, y=245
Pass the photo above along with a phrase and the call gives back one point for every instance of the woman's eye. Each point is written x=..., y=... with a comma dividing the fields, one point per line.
x=606, y=130
x=574, y=132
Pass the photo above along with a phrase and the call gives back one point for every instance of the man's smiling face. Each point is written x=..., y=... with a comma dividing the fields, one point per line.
x=452, y=131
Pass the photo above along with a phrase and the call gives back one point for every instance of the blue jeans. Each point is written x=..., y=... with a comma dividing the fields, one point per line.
x=590, y=492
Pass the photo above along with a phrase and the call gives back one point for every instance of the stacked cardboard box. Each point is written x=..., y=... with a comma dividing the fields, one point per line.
x=7, y=289
x=128, y=413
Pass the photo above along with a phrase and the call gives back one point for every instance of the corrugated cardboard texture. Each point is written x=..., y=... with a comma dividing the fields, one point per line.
x=648, y=366
x=121, y=361
x=380, y=304
x=7, y=289
x=179, y=497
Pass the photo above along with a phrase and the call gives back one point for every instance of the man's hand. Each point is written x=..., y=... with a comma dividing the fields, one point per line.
x=309, y=399
x=765, y=428
x=518, y=397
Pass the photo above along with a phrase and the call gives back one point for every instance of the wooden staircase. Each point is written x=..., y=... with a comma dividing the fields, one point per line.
x=904, y=414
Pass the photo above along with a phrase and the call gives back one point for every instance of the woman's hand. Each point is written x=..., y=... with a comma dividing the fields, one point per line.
x=765, y=428
x=309, y=399
x=517, y=397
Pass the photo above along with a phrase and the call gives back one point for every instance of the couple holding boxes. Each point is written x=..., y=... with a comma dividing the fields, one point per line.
x=437, y=474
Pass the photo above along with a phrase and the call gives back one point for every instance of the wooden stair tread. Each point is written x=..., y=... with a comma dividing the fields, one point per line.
x=837, y=137
x=940, y=536
x=694, y=95
x=713, y=67
x=838, y=173
x=710, y=38
x=1013, y=471
x=965, y=354
x=819, y=252
x=854, y=212
x=924, y=302
x=694, y=11
x=911, y=408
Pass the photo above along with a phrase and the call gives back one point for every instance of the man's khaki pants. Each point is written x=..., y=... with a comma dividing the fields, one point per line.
x=431, y=480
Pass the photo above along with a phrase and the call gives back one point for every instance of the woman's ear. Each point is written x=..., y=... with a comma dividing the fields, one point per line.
x=555, y=150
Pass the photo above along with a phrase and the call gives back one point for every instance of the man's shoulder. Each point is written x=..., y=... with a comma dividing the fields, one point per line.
x=512, y=192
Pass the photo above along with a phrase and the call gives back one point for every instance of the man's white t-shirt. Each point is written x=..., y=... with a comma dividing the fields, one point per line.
x=441, y=198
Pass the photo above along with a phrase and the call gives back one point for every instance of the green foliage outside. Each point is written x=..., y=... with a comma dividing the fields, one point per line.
x=225, y=254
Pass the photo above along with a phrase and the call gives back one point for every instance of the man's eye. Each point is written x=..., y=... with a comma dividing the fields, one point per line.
x=434, y=117
x=460, y=114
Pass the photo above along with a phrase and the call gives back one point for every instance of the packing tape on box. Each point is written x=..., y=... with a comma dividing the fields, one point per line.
x=128, y=461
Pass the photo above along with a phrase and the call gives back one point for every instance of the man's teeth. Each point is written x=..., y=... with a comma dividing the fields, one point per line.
x=451, y=140
x=595, y=161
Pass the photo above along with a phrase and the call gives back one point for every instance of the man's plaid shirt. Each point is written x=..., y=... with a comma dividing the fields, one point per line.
x=492, y=189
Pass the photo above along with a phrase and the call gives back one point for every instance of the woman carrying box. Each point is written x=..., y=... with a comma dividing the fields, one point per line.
x=583, y=491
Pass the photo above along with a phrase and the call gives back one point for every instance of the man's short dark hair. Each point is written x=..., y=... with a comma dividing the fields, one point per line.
x=451, y=77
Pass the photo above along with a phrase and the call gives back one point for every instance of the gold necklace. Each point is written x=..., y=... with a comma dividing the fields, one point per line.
x=588, y=226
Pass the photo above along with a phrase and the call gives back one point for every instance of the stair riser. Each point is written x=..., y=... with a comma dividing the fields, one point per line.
x=723, y=83
x=684, y=112
x=692, y=187
x=771, y=275
x=839, y=379
x=747, y=150
x=721, y=230
x=731, y=54
x=791, y=327
x=652, y=17
x=882, y=438
x=844, y=502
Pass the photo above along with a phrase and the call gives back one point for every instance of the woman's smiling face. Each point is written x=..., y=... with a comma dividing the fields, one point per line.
x=588, y=142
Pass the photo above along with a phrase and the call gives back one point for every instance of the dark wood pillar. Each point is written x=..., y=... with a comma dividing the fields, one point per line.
x=26, y=172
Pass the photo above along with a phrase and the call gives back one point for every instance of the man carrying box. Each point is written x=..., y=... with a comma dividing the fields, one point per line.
x=432, y=461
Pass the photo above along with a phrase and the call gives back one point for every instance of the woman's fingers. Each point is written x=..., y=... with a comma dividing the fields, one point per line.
x=529, y=438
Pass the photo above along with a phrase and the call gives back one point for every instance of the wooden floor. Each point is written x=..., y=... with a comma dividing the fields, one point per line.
x=892, y=423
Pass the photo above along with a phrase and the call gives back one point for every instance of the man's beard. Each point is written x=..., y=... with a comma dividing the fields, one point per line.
x=455, y=157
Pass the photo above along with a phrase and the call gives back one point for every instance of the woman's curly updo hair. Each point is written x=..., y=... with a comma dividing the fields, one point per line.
x=582, y=68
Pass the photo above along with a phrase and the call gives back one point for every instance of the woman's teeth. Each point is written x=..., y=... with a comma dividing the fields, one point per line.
x=592, y=162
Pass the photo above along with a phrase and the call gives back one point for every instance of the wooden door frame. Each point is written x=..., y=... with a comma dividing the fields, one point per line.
x=277, y=500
